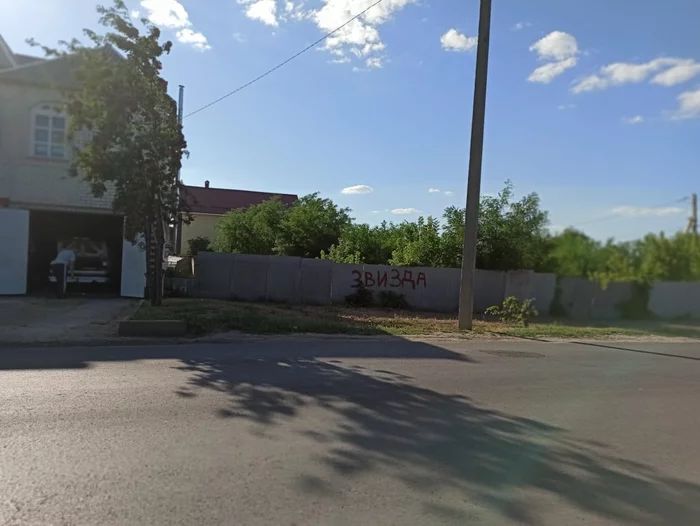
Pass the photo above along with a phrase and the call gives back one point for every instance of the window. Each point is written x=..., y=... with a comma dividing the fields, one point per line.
x=49, y=131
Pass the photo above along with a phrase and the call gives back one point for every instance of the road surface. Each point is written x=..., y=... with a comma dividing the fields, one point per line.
x=391, y=432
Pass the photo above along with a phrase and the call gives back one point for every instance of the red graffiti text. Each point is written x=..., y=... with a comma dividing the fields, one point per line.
x=395, y=278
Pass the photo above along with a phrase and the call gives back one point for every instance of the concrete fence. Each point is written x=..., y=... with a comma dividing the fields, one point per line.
x=321, y=282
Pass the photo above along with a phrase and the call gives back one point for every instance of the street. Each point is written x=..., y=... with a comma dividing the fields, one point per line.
x=351, y=432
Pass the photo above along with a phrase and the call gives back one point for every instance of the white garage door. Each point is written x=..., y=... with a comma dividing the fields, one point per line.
x=133, y=268
x=14, y=250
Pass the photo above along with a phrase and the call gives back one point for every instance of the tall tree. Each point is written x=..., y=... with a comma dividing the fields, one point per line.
x=135, y=143
x=311, y=226
x=254, y=230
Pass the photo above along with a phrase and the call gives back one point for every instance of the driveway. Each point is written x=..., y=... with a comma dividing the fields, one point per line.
x=50, y=320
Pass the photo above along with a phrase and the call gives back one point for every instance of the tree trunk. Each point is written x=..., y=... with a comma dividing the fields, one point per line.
x=158, y=262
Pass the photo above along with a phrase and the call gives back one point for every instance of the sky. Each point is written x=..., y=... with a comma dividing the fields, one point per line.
x=594, y=105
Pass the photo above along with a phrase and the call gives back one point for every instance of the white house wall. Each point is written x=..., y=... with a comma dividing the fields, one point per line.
x=28, y=180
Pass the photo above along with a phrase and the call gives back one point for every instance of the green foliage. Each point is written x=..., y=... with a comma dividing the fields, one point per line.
x=253, y=230
x=513, y=311
x=306, y=229
x=392, y=300
x=360, y=243
x=197, y=244
x=311, y=226
x=512, y=235
x=362, y=297
x=133, y=142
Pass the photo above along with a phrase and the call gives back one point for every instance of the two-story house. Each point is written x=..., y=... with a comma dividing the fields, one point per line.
x=41, y=206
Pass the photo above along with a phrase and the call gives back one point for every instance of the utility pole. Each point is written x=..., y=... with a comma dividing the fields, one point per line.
x=178, y=224
x=693, y=221
x=471, y=216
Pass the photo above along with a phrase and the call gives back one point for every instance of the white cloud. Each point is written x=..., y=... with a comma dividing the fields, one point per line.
x=548, y=72
x=240, y=38
x=361, y=36
x=135, y=13
x=171, y=14
x=376, y=212
x=434, y=190
x=557, y=46
x=562, y=107
x=447, y=192
x=678, y=74
x=688, y=105
x=374, y=62
x=456, y=41
x=358, y=189
x=196, y=39
x=634, y=211
x=637, y=119
x=521, y=25
x=669, y=72
x=264, y=11
x=343, y=60
x=405, y=211
x=167, y=13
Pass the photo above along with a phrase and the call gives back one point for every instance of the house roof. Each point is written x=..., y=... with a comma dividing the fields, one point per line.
x=54, y=72
x=218, y=201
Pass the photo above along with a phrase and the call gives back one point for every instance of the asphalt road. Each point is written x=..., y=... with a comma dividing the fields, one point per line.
x=351, y=433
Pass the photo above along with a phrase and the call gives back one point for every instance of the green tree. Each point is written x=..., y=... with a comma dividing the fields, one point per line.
x=424, y=250
x=311, y=226
x=575, y=254
x=512, y=235
x=135, y=145
x=364, y=244
x=253, y=230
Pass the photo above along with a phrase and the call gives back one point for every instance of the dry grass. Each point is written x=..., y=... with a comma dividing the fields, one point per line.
x=205, y=316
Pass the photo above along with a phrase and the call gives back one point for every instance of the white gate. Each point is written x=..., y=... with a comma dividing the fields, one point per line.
x=14, y=250
x=134, y=268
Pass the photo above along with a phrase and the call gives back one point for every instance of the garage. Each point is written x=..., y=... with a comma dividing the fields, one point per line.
x=106, y=264
x=96, y=240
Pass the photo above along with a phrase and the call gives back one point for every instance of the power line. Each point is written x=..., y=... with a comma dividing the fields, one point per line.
x=278, y=66
x=617, y=216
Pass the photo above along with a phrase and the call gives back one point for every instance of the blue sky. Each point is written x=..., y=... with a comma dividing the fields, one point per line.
x=594, y=105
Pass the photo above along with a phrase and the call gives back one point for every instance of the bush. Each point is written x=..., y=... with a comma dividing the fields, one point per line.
x=362, y=297
x=392, y=300
x=197, y=245
x=514, y=311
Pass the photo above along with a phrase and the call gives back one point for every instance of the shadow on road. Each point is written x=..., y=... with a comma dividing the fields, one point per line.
x=384, y=422
x=79, y=358
x=431, y=441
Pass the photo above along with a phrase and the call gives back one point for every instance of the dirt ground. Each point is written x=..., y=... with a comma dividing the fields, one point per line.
x=50, y=320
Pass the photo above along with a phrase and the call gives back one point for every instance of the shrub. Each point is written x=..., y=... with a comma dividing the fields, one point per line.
x=514, y=311
x=197, y=245
x=362, y=297
x=392, y=300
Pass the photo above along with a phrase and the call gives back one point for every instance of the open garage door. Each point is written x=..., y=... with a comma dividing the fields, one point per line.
x=14, y=250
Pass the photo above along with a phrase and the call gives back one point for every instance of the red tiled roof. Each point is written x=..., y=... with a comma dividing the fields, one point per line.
x=220, y=200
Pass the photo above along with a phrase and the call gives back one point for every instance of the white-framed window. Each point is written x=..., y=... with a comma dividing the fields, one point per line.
x=49, y=132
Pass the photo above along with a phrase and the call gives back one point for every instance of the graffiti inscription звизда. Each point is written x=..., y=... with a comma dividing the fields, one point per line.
x=385, y=279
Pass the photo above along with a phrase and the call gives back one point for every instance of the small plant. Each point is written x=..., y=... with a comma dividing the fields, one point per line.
x=514, y=311
x=197, y=245
x=362, y=297
x=391, y=300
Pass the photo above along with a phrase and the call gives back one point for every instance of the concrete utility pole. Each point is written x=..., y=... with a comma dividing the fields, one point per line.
x=178, y=225
x=466, y=292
